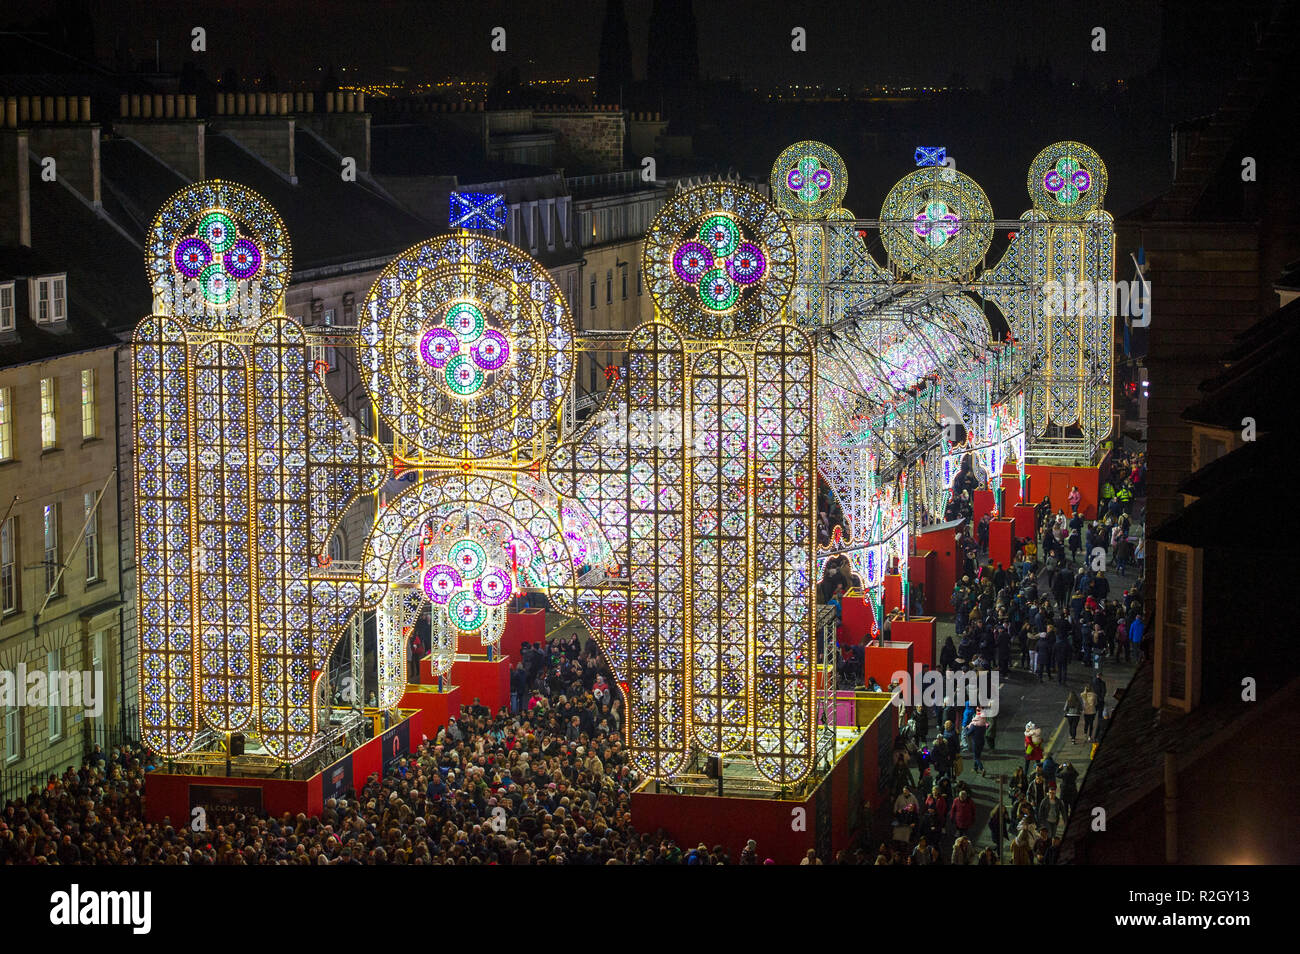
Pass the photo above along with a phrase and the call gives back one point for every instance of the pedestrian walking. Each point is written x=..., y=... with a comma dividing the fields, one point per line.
x=1088, y=700
x=1073, y=709
x=1033, y=745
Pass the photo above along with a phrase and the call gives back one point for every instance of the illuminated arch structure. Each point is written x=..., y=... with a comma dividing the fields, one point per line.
x=244, y=468
x=779, y=348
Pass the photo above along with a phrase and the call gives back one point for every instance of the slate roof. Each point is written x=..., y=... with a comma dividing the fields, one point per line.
x=1130, y=759
x=330, y=222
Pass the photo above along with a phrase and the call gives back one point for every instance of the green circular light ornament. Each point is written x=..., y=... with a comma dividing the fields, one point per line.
x=463, y=376
x=218, y=230
x=721, y=234
x=217, y=285
x=469, y=559
x=1068, y=180
x=717, y=290
x=466, y=320
x=465, y=612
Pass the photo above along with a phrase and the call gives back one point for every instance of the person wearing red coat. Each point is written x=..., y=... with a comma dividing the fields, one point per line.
x=963, y=812
x=1033, y=745
x=936, y=800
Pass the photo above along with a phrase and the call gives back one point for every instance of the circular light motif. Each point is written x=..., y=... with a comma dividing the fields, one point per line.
x=494, y=588
x=468, y=558
x=243, y=260
x=465, y=612
x=808, y=181
x=1067, y=180
x=218, y=230
x=217, y=285
x=717, y=290
x=192, y=256
x=721, y=234
x=466, y=321
x=440, y=582
x=691, y=261
x=491, y=351
x=463, y=377
x=747, y=265
x=437, y=347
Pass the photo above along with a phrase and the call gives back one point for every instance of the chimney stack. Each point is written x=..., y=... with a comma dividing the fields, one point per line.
x=15, y=186
x=176, y=138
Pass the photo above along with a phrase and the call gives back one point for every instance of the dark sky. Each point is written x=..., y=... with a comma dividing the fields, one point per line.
x=848, y=42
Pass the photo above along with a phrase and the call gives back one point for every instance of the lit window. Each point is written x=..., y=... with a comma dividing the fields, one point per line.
x=92, y=537
x=10, y=593
x=54, y=691
x=13, y=733
x=51, y=523
x=89, y=426
x=7, y=306
x=6, y=424
x=49, y=299
x=49, y=414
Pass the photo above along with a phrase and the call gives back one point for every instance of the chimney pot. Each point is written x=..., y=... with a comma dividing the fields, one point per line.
x=192, y=106
x=11, y=112
x=311, y=102
x=169, y=106
x=158, y=105
x=124, y=105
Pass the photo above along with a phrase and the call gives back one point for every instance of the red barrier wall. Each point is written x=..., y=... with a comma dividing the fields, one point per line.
x=1057, y=481
x=982, y=504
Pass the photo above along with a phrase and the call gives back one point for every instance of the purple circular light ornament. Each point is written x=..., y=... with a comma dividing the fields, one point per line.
x=244, y=259
x=192, y=256
x=794, y=179
x=440, y=582
x=822, y=179
x=438, y=346
x=491, y=351
x=1082, y=181
x=1053, y=181
x=747, y=265
x=691, y=260
x=494, y=588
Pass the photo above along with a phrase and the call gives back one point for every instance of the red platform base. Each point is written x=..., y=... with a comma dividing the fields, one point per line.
x=854, y=795
x=1001, y=545
x=488, y=680
x=893, y=598
x=433, y=709
x=947, y=563
x=528, y=626
x=921, y=570
x=882, y=660
x=857, y=618
x=173, y=798
x=921, y=632
x=1023, y=514
x=984, y=502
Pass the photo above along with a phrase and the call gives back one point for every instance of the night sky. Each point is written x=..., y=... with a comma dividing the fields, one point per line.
x=417, y=40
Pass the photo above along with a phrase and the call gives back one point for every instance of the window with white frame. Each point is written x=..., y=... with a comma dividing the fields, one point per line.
x=92, y=537
x=10, y=589
x=7, y=306
x=13, y=733
x=49, y=299
x=50, y=520
x=54, y=691
x=6, y=423
x=49, y=413
x=89, y=423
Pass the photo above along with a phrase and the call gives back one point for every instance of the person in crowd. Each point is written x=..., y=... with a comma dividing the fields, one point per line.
x=1074, y=499
x=1033, y=745
x=1073, y=709
x=1088, y=707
